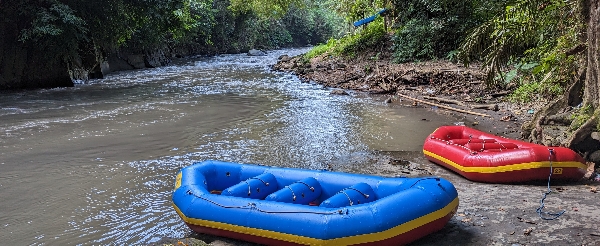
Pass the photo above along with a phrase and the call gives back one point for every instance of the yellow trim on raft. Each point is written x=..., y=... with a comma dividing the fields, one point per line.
x=178, y=181
x=372, y=237
x=508, y=168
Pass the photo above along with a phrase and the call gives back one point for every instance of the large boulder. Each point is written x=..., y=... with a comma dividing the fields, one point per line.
x=156, y=58
x=117, y=63
x=284, y=58
x=136, y=61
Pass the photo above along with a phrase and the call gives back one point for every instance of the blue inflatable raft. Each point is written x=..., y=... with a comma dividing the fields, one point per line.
x=287, y=206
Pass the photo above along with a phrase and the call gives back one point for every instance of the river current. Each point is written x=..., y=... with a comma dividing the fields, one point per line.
x=95, y=164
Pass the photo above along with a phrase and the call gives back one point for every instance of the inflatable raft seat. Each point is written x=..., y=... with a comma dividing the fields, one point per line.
x=257, y=187
x=482, y=144
x=463, y=141
x=359, y=193
x=300, y=192
x=491, y=146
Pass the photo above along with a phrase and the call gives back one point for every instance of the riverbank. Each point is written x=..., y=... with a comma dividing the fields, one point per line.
x=449, y=88
x=489, y=214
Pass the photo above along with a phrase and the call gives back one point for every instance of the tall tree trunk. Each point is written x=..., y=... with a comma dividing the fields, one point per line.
x=591, y=95
x=581, y=138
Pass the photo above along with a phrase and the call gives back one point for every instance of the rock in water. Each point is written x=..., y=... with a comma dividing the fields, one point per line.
x=254, y=52
x=284, y=58
x=338, y=92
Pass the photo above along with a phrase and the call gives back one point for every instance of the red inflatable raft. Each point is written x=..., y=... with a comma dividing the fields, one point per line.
x=484, y=157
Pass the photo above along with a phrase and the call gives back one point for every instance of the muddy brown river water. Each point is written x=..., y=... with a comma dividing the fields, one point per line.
x=95, y=164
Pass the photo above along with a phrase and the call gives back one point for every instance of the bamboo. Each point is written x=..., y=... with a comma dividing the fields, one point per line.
x=443, y=100
x=445, y=107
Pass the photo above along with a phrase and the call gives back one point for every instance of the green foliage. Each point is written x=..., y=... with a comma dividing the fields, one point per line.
x=198, y=19
x=53, y=19
x=271, y=34
x=52, y=27
x=264, y=8
x=145, y=24
x=430, y=29
x=529, y=89
x=321, y=49
x=312, y=25
x=353, y=10
x=529, y=31
x=373, y=36
x=417, y=41
x=452, y=55
x=534, y=91
x=581, y=117
x=240, y=31
x=79, y=33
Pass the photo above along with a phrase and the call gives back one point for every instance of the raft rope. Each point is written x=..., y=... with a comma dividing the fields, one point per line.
x=310, y=187
x=539, y=210
x=436, y=179
x=347, y=196
x=257, y=189
x=253, y=206
x=294, y=195
x=362, y=193
x=349, y=199
x=502, y=145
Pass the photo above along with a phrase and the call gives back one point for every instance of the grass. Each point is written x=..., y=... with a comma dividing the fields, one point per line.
x=352, y=43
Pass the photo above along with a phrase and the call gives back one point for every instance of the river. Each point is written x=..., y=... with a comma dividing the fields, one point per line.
x=94, y=164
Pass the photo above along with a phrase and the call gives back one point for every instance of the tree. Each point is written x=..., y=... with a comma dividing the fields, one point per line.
x=264, y=8
x=581, y=137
